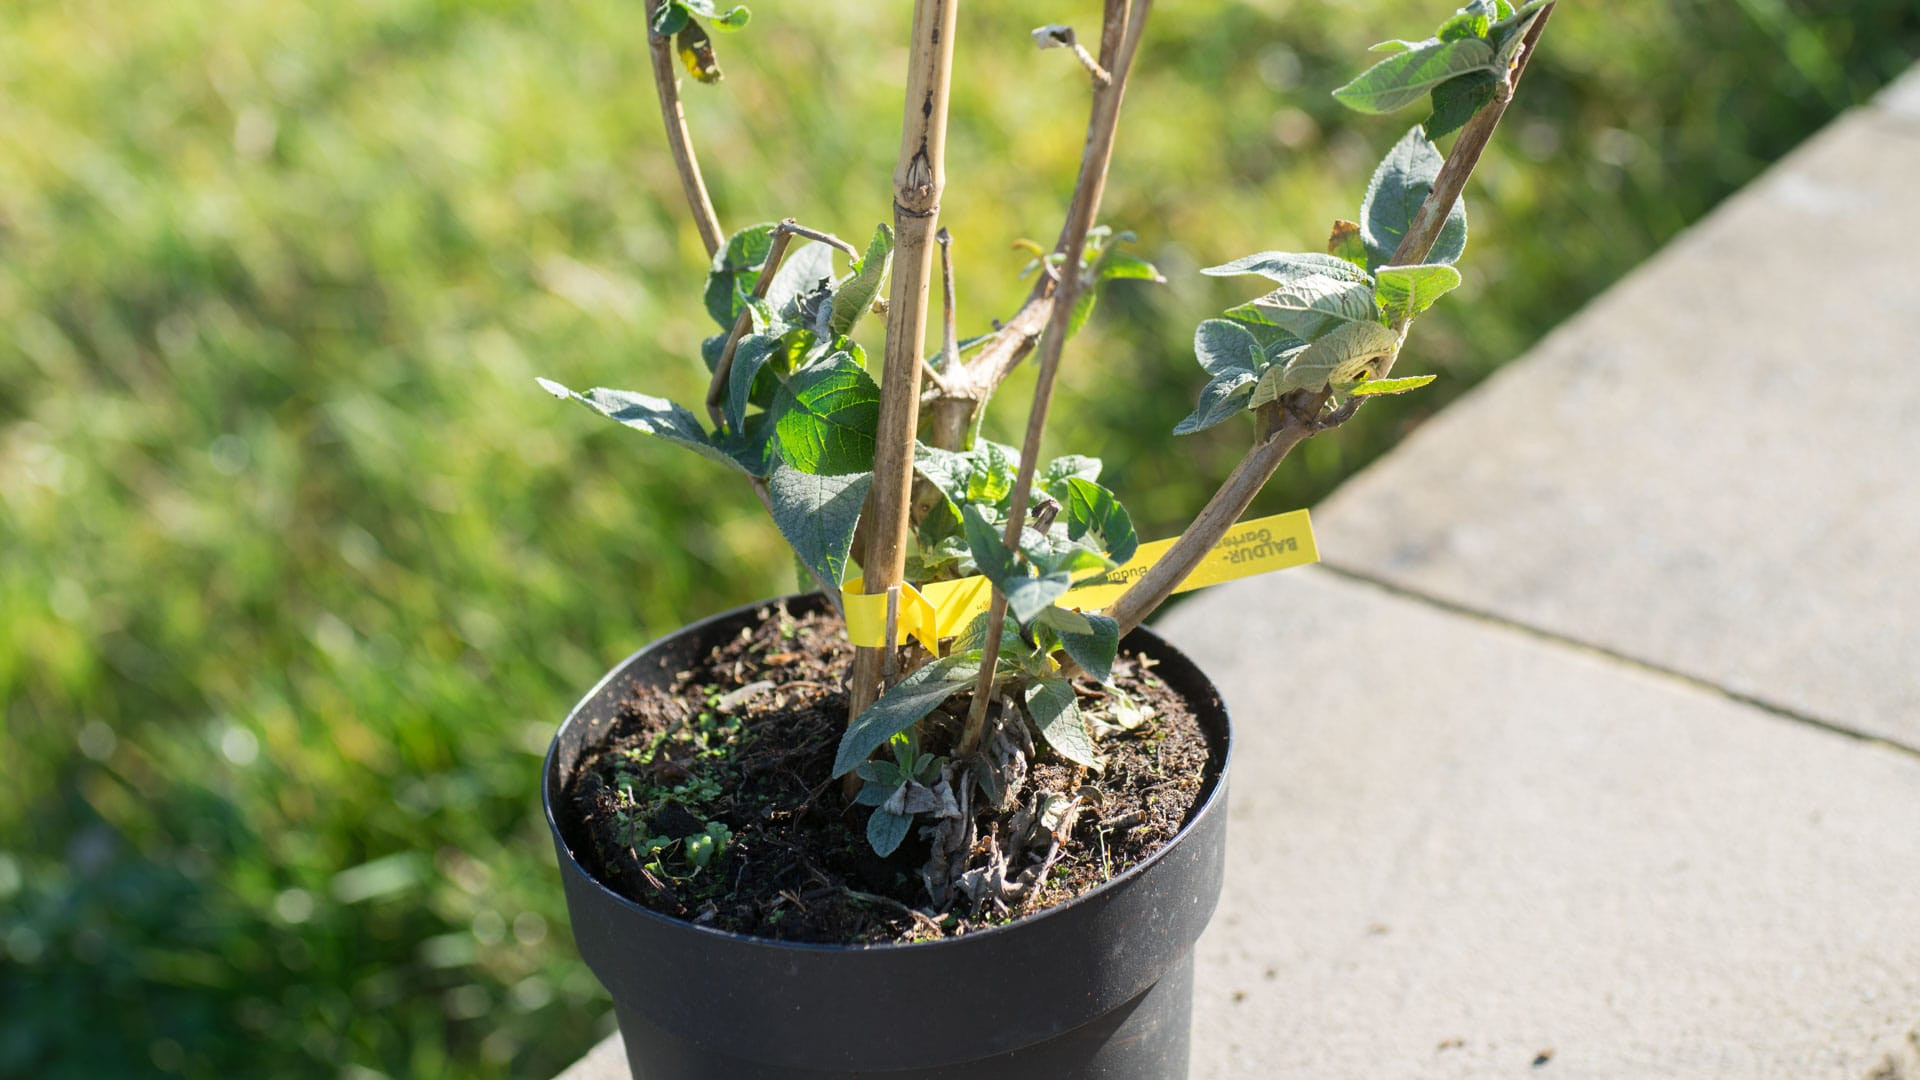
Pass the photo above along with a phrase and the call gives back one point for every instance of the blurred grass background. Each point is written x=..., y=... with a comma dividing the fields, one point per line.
x=298, y=569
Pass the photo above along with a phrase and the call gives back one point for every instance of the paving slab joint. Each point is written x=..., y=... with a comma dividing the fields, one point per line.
x=1640, y=663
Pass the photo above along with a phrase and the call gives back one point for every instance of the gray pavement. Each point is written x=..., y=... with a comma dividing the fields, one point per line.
x=1594, y=750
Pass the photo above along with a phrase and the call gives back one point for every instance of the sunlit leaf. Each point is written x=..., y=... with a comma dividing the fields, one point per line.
x=1391, y=386
x=826, y=417
x=1056, y=712
x=904, y=704
x=1402, y=79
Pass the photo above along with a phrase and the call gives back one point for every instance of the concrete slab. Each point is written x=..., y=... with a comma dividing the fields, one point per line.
x=1902, y=97
x=1712, y=467
x=606, y=1061
x=1506, y=850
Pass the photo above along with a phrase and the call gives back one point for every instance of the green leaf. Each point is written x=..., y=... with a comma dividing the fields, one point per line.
x=670, y=17
x=736, y=267
x=1028, y=594
x=972, y=638
x=1111, y=265
x=879, y=780
x=826, y=417
x=1060, y=619
x=1472, y=21
x=1391, y=386
x=902, y=706
x=1290, y=267
x=731, y=19
x=818, y=515
x=1117, y=265
x=802, y=282
x=1093, y=514
x=1224, y=396
x=654, y=416
x=1456, y=100
x=1054, y=552
x=1401, y=183
x=752, y=448
x=944, y=469
x=1510, y=32
x=1226, y=348
x=885, y=830
x=1344, y=243
x=1403, y=78
x=1347, y=354
x=1394, y=45
x=1083, y=304
x=996, y=467
x=1065, y=467
x=854, y=296
x=1056, y=712
x=1310, y=307
x=749, y=357
x=1094, y=648
x=1406, y=291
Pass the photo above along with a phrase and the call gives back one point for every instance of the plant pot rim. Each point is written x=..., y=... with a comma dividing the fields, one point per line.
x=1160, y=649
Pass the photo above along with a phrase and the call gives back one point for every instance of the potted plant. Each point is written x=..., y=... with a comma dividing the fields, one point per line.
x=806, y=837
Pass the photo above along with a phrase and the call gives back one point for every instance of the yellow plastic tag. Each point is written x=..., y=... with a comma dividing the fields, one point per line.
x=944, y=608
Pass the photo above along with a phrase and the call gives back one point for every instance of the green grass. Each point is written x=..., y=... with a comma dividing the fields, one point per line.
x=298, y=568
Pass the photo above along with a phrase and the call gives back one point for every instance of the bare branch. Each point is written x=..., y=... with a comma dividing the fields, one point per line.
x=972, y=385
x=1059, y=37
x=918, y=181
x=950, y=327
x=1094, y=163
x=723, y=368
x=823, y=237
x=666, y=84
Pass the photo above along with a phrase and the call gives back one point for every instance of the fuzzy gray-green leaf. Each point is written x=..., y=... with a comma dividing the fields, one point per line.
x=1223, y=397
x=749, y=357
x=1225, y=348
x=1056, y=712
x=902, y=706
x=736, y=266
x=1347, y=354
x=817, y=515
x=1094, y=648
x=1401, y=183
x=885, y=831
x=1456, y=100
x=854, y=296
x=654, y=416
x=1311, y=305
x=1405, y=77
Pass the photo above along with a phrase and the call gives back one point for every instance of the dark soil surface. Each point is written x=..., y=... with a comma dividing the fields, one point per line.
x=711, y=800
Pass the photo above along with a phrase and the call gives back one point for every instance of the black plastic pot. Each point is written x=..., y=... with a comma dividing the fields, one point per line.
x=1100, y=987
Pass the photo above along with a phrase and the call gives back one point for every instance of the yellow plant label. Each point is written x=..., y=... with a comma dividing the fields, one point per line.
x=944, y=608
